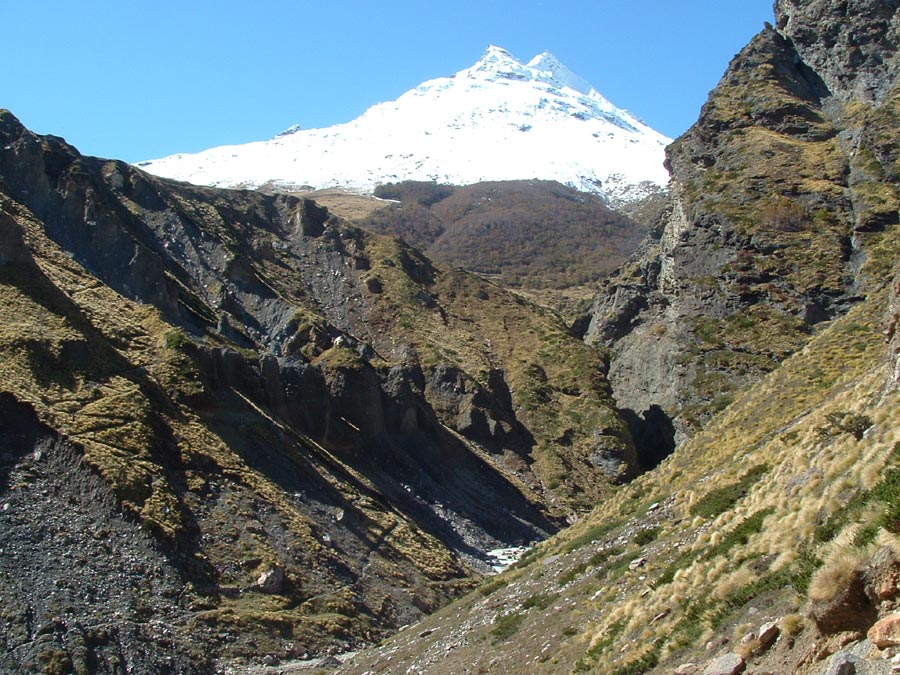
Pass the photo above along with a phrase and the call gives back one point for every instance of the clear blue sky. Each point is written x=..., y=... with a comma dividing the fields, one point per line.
x=135, y=79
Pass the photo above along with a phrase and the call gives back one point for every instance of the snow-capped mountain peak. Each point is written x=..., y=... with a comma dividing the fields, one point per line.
x=499, y=119
x=549, y=70
x=497, y=64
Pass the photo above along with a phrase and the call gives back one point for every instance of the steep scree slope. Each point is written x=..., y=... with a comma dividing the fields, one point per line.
x=308, y=434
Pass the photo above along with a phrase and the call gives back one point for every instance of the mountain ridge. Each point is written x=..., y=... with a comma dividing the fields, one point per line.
x=500, y=119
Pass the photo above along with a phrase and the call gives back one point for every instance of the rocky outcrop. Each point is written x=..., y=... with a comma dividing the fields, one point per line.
x=851, y=45
x=482, y=414
x=776, y=192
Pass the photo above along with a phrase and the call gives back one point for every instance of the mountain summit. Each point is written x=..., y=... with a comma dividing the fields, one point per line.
x=500, y=119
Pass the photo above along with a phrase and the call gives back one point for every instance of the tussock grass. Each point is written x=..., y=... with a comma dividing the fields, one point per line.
x=835, y=575
x=751, y=489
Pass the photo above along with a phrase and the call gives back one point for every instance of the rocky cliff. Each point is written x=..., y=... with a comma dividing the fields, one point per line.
x=300, y=435
x=778, y=192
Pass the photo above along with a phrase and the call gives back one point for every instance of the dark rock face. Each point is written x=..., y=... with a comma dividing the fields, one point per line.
x=80, y=581
x=482, y=414
x=282, y=404
x=849, y=610
x=852, y=44
x=776, y=193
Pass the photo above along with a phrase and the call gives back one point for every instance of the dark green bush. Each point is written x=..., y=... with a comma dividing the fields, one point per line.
x=721, y=499
x=644, y=537
x=540, y=600
x=844, y=422
x=506, y=626
x=174, y=339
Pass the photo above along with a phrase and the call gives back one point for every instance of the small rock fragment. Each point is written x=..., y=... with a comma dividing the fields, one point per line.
x=686, y=669
x=729, y=664
x=842, y=663
x=768, y=633
x=271, y=581
x=886, y=632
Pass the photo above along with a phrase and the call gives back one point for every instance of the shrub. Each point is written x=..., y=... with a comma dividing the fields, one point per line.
x=721, y=499
x=174, y=339
x=55, y=661
x=540, y=600
x=785, y=215
x=844, y=422
x=506, y=626
x=792, y=624
x=855, y=425
x=644, y=537
x=835, y=575
x=888, y=492
x=749, y=649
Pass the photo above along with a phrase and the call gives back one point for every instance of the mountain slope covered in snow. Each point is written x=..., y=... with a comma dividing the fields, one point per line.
x=498, y=120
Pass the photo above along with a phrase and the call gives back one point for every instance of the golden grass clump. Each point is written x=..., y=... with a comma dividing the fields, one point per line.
x=792, y=624
x=730, y=583
x=835, y=575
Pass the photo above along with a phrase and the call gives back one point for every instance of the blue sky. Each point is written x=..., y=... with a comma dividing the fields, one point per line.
x=136, y=80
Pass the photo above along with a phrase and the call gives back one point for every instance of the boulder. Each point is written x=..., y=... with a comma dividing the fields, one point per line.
x=729, y=664
x=768, y=633
x=271, y=581
x=882, y=575
x=886, y=632
x=842, y=663
x=848, y=610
